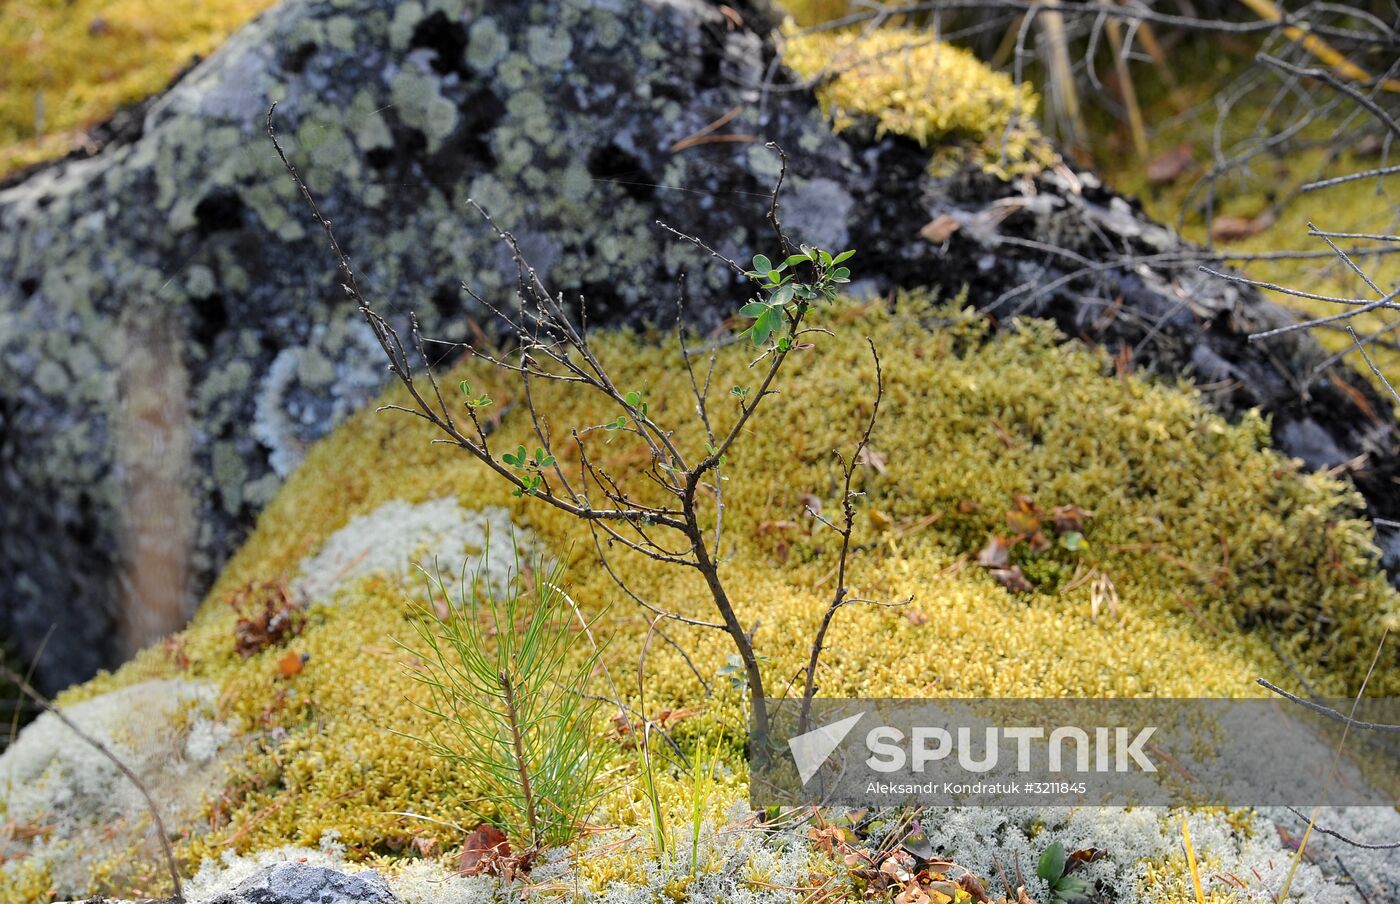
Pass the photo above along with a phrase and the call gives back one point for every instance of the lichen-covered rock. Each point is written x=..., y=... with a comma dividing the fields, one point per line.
x=299, y=883
x=561, y=117
x=165, y=731
x=578, y=124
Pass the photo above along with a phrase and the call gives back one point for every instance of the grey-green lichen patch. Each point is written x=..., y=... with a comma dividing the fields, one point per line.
x=166, y=732
x=487, y=45
x=405, y=541
x=548, y=47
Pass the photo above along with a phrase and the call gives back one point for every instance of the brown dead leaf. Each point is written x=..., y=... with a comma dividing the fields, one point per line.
x=811, y=504
x=1237, y=229
x=968, y=883
x=997, y=552
x=1368, y=146
x=177, y=651
x=829, y=838
x=267, y=616
x=1012, y=579
x=291, y=665
x=1038, y=543
x=1070, y=518
x=1358, y=398
x=916, y=617
x=1170, y=165
x=1082, y=856
x=484, y=851
x=670, y=718
x=914, y=894
x=1025, y=516
x=940, y=230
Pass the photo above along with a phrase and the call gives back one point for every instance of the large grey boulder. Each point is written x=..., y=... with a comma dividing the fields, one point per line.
x=172, y=334
x=188, y=251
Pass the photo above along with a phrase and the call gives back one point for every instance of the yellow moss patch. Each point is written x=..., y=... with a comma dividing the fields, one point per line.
x=77, y=61
x=909, y=83
x=1198, y=525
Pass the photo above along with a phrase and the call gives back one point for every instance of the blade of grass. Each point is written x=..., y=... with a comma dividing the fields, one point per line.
x=1191, y=861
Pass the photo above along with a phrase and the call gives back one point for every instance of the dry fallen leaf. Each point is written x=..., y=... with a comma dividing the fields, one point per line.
x=669, y=718
x=880, y=521
x=1170, y=165
x=1024, y=519
x=940, y=230
x=1012, y=579
x=1070, y=518
x=1082, y=856
x=996, y=554
x=811, y=504
x=267, y=615
x=1235, y=229
x=916, y=617
x=483, y=850
x=291, y=664
x=969, y=884
x=873, y=460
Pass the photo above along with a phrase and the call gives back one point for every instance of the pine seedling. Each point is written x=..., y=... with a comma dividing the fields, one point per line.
x=507, y=686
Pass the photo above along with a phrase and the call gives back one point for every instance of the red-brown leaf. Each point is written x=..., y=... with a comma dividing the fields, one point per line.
x=969, y=884
x=1236, y=229
x=1070, y=518
x=1170, y=165
x=1012, y=579
x=940, y=229
x=486, y=846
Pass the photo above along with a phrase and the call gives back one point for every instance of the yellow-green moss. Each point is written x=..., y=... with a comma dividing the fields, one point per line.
x=80, y=60
x=909, y=83
x=1198, y=525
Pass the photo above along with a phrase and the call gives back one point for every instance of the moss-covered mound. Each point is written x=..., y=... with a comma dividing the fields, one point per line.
x=1219, y=553
x=72, y=63
x=909, y=83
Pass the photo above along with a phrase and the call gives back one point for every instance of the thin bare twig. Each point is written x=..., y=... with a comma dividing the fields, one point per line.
x=48, y=705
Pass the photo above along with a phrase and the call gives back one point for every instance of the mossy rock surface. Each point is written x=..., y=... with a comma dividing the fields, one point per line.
x=1225, y=556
